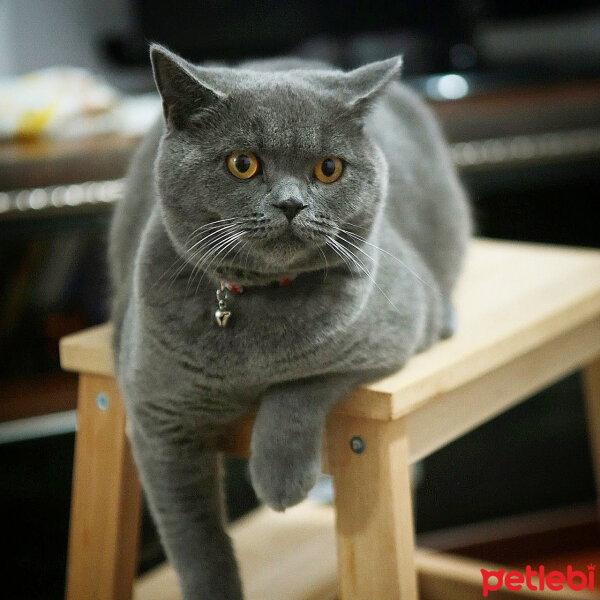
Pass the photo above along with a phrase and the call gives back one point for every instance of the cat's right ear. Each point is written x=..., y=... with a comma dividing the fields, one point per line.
x=183, y=95
x=368, y=82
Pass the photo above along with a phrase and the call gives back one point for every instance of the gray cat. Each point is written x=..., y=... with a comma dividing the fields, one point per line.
x=336, y=184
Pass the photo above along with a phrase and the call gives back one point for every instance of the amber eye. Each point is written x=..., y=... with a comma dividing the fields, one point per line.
x=242, y=164
x=329, y=169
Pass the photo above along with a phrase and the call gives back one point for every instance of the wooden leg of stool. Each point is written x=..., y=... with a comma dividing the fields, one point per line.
x=106, y=501
x=591, y=379
x=374, y=522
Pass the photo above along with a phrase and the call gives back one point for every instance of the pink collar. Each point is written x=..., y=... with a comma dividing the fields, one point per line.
x=223, y=313
x=238, y=288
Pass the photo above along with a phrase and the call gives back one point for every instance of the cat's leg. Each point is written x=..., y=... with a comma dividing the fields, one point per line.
x=285, y=455
x=182, y=482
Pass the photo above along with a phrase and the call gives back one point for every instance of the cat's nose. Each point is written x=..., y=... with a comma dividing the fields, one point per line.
x=290, y=207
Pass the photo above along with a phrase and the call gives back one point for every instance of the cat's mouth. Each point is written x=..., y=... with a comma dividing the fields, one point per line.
x=258, y=251
x=289, y=235
x=287, y=240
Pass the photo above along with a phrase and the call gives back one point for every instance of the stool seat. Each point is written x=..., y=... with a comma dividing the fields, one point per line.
x=511, y=300
x=529, y=314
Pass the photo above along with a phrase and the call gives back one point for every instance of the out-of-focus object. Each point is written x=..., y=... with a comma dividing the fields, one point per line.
x=63, y=102
x=561, y=44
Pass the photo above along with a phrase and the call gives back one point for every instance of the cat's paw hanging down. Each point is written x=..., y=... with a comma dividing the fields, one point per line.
x=337, y=184
x=283, y=472
x=285, y=459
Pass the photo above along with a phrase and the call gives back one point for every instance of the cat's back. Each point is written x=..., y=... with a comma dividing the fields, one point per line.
x=133, y=209
x=131, y=215
x=426, y=202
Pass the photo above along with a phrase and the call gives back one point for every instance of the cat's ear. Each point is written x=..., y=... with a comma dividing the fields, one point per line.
x=183, y=94
x=366, y=83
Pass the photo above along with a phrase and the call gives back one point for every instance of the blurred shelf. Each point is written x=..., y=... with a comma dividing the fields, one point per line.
x=504, y=138
x=60, y=200
x=44, y=162
x=522, y=110
x=493, y=154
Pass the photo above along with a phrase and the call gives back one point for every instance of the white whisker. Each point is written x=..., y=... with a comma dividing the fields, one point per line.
x=355, y=246
x=206, y=247
x=246, y=242
x=325, y=260
x=218, y=231
x=210, y=224
x=215, y=251
x=193, y=251
x=364, y=241
x=344, y=260
x=224, y=256
x=359, y=264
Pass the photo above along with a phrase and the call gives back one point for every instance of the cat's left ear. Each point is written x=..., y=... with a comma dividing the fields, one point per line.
x=367, y=83
x=183, y=93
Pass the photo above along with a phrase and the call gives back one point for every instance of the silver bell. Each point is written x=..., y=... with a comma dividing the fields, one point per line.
x=222, y=317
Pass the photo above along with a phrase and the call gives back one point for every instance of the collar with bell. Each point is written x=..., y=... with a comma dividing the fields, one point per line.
x=223, y=312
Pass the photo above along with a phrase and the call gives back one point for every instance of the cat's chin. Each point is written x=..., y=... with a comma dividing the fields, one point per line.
x=278, y=256
x=286, y=236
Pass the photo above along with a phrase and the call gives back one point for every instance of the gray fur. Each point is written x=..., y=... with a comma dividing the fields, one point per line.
x=291, y=352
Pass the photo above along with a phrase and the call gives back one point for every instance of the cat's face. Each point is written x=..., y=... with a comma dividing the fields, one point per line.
x=257, y=171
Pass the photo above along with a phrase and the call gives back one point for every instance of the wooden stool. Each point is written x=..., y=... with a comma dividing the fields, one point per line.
x=529, y=315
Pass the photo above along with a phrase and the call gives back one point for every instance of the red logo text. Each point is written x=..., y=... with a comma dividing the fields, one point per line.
x=539, y=580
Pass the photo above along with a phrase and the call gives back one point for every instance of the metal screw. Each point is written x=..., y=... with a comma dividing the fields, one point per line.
x=358, y=445
x=102, y=401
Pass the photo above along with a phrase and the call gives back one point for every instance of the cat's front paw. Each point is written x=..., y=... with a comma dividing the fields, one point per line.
x=283, y=479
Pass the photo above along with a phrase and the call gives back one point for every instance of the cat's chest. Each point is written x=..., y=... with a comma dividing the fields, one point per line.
x=271, y=334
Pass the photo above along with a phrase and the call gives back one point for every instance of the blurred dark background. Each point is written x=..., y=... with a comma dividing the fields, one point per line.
x=516, y=86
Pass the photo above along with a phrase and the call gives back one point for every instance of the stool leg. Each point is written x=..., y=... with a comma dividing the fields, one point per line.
x=106, y=501
x=374, y=520
x=591, y=379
